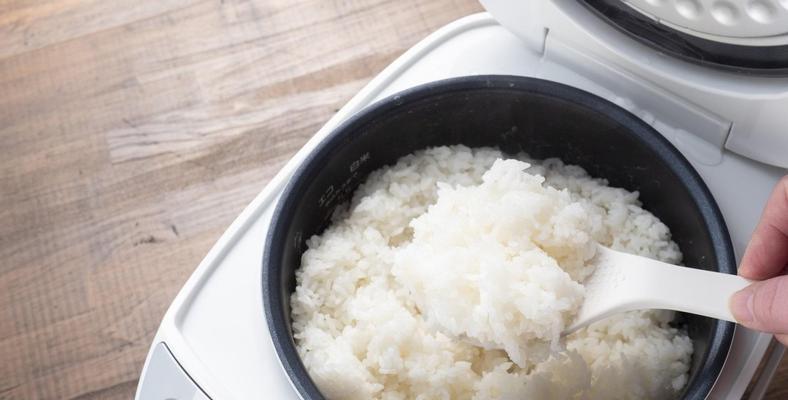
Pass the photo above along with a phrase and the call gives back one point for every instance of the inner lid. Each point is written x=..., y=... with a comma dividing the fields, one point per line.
x=748, y=23
x=744, y=35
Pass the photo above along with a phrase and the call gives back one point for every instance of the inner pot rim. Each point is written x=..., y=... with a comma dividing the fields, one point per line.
x=272, y=291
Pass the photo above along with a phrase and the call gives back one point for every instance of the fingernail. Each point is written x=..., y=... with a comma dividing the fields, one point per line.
x=741, y=305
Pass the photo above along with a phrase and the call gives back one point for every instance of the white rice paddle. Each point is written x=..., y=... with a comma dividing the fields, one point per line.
x=626, y=282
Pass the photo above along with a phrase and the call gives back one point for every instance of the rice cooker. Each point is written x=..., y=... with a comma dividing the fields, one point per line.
x=690, y=94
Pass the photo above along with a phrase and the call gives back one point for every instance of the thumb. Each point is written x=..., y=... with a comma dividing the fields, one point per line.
x=763, y=305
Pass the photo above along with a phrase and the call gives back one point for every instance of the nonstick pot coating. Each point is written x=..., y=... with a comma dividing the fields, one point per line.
x=542, y=118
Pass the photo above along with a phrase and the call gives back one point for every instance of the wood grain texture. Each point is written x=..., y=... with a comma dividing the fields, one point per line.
x=133, y=132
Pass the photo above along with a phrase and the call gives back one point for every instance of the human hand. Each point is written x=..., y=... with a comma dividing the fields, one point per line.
x=763, y=305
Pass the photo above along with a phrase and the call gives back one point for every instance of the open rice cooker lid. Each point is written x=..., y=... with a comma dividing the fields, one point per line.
x=727, y=57
x=746, y=36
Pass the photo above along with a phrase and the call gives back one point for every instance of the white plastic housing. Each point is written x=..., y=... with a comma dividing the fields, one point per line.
x=721, y=110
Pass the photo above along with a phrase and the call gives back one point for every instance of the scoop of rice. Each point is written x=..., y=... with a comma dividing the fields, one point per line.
x=450, y=242
x=483, y=262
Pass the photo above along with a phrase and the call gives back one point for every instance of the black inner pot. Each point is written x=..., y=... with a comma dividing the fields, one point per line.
x=544, y=119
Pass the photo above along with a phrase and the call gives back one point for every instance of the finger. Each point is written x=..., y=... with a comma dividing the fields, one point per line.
x=767, y=254
x=763, y=305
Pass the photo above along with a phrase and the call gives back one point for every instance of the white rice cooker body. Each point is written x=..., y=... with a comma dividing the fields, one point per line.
x=722, y=110
x=213, y=343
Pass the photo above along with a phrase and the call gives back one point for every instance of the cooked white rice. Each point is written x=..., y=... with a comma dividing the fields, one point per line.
x=450, y=243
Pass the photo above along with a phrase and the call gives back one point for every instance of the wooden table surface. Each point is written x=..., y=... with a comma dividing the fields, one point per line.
x=132, y=133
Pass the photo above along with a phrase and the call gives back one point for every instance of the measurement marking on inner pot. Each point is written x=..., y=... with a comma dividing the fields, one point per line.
x=355, y=164
x=331, y=193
